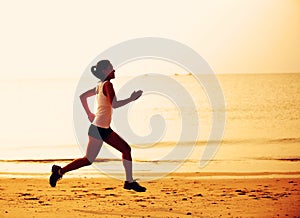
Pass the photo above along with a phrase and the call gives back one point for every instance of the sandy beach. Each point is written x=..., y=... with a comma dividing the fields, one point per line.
x=180, y=195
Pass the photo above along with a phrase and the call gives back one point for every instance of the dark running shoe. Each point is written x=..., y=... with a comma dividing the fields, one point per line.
x=135, y=186
x=54, y=176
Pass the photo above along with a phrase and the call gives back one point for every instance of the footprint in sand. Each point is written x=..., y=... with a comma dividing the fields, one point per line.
x=24, y=194
x=109, y=188
x=33, y=198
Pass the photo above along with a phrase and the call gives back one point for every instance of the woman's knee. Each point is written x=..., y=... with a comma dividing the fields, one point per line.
x=88, y=161
x=126, y=153
x=127, y=149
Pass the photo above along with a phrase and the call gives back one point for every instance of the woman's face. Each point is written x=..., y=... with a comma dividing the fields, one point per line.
x=109, y=72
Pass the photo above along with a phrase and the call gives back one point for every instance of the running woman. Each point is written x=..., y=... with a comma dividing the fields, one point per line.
x=99, y=129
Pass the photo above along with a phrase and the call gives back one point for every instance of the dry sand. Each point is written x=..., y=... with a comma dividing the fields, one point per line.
x=175, y=196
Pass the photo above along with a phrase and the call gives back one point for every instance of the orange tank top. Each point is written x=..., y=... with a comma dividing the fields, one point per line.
x=104, y=109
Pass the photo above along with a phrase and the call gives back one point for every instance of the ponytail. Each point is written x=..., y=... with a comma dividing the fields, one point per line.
x=93, y=69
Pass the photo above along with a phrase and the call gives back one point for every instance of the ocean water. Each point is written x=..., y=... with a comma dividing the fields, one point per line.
x=261, y=134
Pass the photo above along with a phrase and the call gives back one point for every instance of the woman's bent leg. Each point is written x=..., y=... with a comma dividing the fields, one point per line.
x=121, y=145
x=94, y=146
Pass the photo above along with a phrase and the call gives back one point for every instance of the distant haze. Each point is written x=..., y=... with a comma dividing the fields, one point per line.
x=60, y=38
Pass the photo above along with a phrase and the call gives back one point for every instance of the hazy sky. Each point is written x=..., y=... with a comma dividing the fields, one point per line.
x=60, y=38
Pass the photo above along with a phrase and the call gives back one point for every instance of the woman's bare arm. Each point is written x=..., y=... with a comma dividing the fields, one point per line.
x=83, y=98
x=110, y=93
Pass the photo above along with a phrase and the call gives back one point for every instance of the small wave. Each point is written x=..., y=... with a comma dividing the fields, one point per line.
x=286, y=140
x=292, y=159
x=54, y=160
x=36, y=160
x=223, y=142
x=101, y=160
x=289, y=159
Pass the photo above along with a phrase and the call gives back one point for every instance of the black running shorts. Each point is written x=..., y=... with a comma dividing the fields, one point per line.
x=99, y=132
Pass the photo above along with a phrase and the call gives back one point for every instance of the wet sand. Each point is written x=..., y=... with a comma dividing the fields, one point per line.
x=177, y=196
